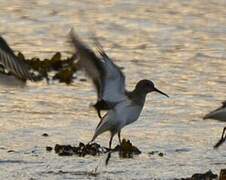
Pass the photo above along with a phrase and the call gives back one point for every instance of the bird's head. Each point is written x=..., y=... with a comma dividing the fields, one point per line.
x=147, y=86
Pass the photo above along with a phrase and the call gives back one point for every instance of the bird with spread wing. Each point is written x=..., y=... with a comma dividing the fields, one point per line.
x=123, y=107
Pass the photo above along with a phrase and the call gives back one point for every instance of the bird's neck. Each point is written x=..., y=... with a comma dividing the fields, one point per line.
x=137, y=96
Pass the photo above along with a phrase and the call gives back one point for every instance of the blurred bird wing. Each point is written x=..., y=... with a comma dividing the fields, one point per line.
x=88, y=61
x=114, y=79
x=14, y=65
x=107, y=77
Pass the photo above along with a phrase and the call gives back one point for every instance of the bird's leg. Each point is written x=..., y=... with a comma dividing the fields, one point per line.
x=119, y=138
x=109, y=153
x=99, y=114
x=97, y=108
x=101, y=105
x=110, y=142
x=223, y=138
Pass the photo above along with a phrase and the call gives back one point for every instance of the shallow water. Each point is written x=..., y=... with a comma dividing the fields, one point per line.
x=180, y=45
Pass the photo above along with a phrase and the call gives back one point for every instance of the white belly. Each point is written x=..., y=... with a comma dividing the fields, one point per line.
x=127, y=113
x=121, y=115
x=9, y=80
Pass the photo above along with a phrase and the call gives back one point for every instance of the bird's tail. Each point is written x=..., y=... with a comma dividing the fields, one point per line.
x=103, y=126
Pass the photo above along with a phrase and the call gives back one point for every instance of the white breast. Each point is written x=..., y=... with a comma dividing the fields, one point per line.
x=127, y=112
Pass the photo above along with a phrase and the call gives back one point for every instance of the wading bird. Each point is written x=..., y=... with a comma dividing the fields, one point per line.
x=123, y=107
x=218, y=114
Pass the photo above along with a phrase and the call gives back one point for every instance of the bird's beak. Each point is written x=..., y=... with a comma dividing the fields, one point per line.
x=155, y=89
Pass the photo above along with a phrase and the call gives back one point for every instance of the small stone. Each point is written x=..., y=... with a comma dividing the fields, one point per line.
x=9, y=151
x=49, y=148
x=152, y=152
x=83, y=80
x=45, y=135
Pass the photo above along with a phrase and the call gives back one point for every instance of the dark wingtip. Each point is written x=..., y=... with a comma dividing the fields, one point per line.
x=4, y=46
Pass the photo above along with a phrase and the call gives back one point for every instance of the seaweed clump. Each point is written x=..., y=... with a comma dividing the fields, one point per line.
x=126, y=150
x=80, y=150
x=201, y=176
x=65, y=75
x=63, y=69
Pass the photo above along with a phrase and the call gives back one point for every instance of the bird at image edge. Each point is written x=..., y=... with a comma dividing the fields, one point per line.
x=14, y=71
x=123, y=107
x=220, y=115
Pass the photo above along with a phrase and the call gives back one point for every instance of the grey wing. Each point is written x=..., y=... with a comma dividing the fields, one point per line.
x=107, y=77
x=114, y=80
x=88, y=61
x=14, y=65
